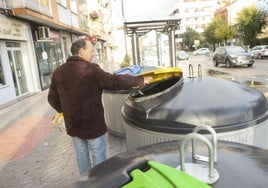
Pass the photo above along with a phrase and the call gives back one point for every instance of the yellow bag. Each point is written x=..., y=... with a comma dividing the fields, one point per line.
x=58, y=120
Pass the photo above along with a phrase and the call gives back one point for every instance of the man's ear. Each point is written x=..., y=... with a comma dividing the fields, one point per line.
x=80, y=51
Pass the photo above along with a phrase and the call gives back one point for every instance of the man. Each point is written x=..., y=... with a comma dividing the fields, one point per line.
x=76, y=91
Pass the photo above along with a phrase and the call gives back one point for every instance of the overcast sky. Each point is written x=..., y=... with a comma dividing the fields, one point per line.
x=146, y=9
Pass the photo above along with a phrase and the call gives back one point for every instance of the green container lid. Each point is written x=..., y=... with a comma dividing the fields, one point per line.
x=159, y=175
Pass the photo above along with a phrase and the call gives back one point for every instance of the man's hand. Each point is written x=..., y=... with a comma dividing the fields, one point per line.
x=147, y=79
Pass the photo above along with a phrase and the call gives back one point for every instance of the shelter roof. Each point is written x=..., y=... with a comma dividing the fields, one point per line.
x=143, y=27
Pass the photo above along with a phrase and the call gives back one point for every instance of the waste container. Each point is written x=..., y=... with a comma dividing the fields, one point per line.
x=113, y=100
x=238, y=165
x=169, y=109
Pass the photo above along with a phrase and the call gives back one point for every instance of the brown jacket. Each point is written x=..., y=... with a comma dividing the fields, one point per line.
x=76, y=90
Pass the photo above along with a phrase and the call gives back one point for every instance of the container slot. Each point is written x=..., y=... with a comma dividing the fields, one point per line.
x=155, y=87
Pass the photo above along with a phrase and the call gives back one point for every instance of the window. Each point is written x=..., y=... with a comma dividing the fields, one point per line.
x=45, y=3
x=73, y=6
x=12, y=44
x=2, y=77
x=62, y=2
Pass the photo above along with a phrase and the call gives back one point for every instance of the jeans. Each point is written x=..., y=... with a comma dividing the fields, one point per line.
x=89, y=152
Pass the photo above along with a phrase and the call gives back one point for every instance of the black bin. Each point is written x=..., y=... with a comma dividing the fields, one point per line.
x=169, y=109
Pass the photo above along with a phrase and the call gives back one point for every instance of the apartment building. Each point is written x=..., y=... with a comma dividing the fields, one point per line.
x=195, y=14
x=36, y=36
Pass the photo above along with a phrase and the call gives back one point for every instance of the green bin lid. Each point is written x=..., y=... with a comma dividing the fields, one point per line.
x=159, y=175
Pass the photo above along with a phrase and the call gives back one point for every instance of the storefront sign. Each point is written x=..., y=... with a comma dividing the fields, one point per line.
x=11, y=29
x=54, y=34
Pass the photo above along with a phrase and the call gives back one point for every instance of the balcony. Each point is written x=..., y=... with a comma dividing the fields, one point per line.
x=43, y=7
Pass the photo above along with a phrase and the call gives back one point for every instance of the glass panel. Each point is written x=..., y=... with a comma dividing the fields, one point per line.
x=2, y=76
x=62, y=2
x=13, y=44
x=42, y=60
x=154, y=49
x=20, y=71
x=49, y=57
x=73, y=6
x=13, y=68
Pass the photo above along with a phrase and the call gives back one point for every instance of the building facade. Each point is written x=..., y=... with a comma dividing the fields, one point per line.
x=196, y=14
x=36, y=36
x=228, y=11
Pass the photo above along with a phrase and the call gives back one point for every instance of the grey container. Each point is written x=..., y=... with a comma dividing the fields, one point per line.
x=171, y=108
x=112, y=103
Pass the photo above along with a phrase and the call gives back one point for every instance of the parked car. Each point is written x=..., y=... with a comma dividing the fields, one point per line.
x=259, y=51
x=181, y=55
x=232, y=56
x=202, y=51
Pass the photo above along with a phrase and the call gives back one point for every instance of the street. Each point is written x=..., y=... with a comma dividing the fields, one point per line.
x=255, y=76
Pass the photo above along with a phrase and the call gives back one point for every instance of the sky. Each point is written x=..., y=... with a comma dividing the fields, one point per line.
x=146, y=9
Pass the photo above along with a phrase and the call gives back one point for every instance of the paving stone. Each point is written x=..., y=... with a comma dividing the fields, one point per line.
x=35, y=153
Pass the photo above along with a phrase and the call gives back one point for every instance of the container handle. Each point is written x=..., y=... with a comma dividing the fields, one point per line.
x=197, y=170
x=191, y=71
x=214, y=142
x=199, y=71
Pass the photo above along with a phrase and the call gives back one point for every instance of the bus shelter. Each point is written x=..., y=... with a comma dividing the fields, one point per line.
x=137, y=29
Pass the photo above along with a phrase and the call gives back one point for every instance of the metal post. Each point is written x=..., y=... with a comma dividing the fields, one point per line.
x=172, y=47
x=135, y=52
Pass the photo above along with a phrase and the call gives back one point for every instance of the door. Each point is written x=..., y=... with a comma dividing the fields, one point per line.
x=16, y=65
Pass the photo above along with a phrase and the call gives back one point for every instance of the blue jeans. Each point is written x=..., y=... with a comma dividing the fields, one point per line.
x=89, y=152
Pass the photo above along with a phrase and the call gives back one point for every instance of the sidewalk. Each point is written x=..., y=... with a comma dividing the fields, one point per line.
x=35, y=153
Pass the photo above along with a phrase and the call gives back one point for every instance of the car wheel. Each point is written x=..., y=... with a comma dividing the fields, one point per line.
x=250, y=65
x=259, y=56
x=228, y=63
x=215, y=63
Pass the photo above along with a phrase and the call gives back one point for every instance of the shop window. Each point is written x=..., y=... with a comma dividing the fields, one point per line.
x=2, y=76
x=49, y=57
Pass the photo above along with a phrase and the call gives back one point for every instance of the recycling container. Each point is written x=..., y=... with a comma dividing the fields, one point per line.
x=170, y=108
x=113, y=100
x=238, y=165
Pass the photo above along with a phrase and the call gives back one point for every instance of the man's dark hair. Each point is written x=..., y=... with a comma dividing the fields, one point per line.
x=77, y=45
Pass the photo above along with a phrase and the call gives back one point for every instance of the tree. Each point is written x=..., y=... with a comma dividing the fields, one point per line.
x=225, y=33
x=125, y=62
x=218, y=31
x=189, y=36
x=209, y=32
x=251, y=21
